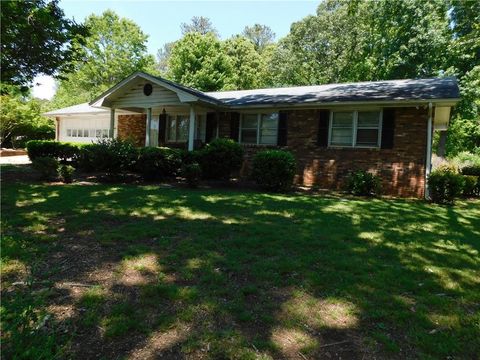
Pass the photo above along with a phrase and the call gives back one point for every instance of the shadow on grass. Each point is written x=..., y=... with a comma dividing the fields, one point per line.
x=225, y=274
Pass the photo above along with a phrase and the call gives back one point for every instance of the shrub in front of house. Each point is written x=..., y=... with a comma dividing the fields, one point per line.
x=66, y=173
x=192, y=173
x=363, y=183
x=113, y=156
x=158, y=162
x=190, y=157
x=84, y=159
x=220, y=158
x=42, y=148
x=54, y=149
x=46, y=166
x=472, y=170
x=471, y=186
x=445, y=185
x=274, y=170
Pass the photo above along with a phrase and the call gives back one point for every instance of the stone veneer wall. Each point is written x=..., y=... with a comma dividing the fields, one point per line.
x=402, y=168
x=132, y=127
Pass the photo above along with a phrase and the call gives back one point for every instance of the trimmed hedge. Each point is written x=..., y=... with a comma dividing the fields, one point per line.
x=114, y=156
x=363, y=183
x=220, y=158
x=53, y=149
x=471, y=186
x=445, y=185
x=158, y=162
x=274, y=169
x=46, y=166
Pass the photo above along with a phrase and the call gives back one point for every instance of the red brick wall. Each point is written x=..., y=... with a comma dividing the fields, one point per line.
x=402, y=168
x=132, y=127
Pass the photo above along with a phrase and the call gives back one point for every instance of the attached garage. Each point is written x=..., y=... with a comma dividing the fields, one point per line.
x=83, y=123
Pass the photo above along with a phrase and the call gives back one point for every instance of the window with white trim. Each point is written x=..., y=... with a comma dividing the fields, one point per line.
x=259, y=129
x=99, y=133
x=355, y=128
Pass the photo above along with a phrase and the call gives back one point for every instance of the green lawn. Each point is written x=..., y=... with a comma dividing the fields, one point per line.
x=136, y=271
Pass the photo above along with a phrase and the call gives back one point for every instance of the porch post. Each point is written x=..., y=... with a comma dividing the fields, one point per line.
x=112, y=123
x=191, y=128
x=149, y=125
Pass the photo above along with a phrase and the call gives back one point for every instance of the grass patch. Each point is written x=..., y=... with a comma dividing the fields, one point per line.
x=226, y=274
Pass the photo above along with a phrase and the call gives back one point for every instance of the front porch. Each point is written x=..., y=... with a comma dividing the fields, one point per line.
x=168, y=114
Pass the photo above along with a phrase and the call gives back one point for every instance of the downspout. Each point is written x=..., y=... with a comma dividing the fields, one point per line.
x=428, y=162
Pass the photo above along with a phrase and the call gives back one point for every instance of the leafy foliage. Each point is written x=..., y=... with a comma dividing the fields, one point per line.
x=36, y=38
x=22, y=121
x=220, y=158
x=260, y=35
x=155, y=163
x=199, y=24
x=192, y=173
x=248, y=66
x=274, y=169
x=66, y=173
x=198, y=61
x=115, y=48
x=46, y=166
x=471, y=186
x=54, y=149
x=114, y=156
x=445, y=185
x=363, y=183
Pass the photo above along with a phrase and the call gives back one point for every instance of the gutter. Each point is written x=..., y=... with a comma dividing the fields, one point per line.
x=428, y=160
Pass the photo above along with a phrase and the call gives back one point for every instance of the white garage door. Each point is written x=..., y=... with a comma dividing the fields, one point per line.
x=84, y=128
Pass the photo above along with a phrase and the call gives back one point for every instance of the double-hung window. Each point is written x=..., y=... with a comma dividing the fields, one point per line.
x=355, y=128
x=259, y=129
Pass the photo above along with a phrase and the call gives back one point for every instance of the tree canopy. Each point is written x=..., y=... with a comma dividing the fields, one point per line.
x=199, y=61
x=36, y=38
x=115, y=48
x=260, y=35
x=199, y=24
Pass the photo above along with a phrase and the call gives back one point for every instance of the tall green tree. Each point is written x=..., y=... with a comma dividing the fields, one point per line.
x=260, y=35
x=248, y=66
x=464, y=130
x=199, y=61
x=115, y=48
x=22, y=120
x=36, y=38
x=199, y=24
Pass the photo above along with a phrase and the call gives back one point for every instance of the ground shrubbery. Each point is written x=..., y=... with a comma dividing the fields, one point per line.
x=66, y=173
x=46, y=166
x=363, y=183
x=158, y=162
x=445, y=184
x=192, y=172
x=220, y=158
x=274, y=169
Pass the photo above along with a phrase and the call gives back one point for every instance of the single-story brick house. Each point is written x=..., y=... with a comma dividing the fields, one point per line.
x=385, y=126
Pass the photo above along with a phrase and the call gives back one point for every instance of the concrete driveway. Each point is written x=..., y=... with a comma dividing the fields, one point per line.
x=15, y=160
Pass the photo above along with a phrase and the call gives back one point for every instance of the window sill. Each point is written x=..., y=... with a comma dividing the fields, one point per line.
x=259, y=145
x=339, y=147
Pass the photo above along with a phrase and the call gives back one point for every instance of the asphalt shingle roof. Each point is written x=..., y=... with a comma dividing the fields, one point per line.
x=390, y=90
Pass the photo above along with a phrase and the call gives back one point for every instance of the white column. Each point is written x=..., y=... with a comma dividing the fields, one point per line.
x=112, y=123
x=428, y=162
x=149, y=125
x=191, y=128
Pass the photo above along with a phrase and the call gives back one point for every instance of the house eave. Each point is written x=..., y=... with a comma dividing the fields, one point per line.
x=334, y=104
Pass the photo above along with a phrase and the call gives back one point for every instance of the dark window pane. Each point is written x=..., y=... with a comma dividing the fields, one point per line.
x=367, y=137
x=249, y=136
